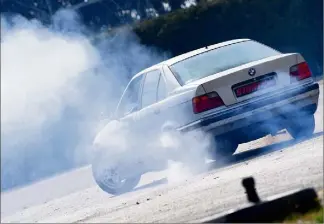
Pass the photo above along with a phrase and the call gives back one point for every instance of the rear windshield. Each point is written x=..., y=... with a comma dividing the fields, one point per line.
x=220, y=59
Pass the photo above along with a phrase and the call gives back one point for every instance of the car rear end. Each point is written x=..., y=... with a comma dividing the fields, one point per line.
x=255, y=90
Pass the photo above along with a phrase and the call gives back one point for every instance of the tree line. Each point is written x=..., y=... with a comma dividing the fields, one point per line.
x=288, y=25
x=95, y=13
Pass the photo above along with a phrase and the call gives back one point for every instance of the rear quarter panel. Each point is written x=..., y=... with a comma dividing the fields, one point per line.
x=177, y=108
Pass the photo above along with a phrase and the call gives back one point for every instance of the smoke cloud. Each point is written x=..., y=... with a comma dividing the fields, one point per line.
x=57, y=85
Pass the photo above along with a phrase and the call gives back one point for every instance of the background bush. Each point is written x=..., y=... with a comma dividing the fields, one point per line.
x=288, y=25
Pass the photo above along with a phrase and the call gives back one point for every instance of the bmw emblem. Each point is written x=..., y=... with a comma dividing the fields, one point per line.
x=252, y=71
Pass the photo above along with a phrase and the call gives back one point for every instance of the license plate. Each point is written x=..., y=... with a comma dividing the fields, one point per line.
x=255, y=86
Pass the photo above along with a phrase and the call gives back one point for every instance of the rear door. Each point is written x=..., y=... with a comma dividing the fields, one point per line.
x=154, y=91
x=130, y=103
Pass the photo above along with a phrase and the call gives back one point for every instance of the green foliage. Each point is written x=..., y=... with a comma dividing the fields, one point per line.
x=313, y=216
x=288, y=25
x=107, y=13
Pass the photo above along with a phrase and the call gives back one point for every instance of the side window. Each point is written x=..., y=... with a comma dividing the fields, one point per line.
x=150, y=88
x=129, y=101
x=162, y=91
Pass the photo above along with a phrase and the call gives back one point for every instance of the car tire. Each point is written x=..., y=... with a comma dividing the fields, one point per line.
x=100, y=174
x=223, y=149
x=301, y=127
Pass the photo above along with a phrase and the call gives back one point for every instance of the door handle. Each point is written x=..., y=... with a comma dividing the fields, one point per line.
x=157, y=111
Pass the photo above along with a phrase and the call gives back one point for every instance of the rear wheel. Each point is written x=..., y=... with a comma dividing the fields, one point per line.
x=301, y=127
x=109, y=178
x=223, y=149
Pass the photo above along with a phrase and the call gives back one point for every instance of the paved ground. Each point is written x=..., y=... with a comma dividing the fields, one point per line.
x=278, y=164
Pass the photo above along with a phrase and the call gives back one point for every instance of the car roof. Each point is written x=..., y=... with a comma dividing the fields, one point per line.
x=189, y=54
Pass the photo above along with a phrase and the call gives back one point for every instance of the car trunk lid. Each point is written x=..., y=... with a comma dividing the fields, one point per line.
x=250, y=80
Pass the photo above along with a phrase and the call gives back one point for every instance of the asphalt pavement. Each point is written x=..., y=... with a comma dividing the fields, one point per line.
x=278, y=164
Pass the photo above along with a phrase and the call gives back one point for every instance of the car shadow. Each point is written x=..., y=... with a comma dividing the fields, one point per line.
x=240, y=157
x=253, y=153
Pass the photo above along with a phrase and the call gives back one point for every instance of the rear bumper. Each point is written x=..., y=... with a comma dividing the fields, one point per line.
x=279, y=105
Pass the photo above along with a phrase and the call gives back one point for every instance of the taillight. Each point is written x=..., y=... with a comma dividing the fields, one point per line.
x=206, y=102
x=300, y=71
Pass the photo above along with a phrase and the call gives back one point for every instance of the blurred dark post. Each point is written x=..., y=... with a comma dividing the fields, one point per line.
x=249, y=185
